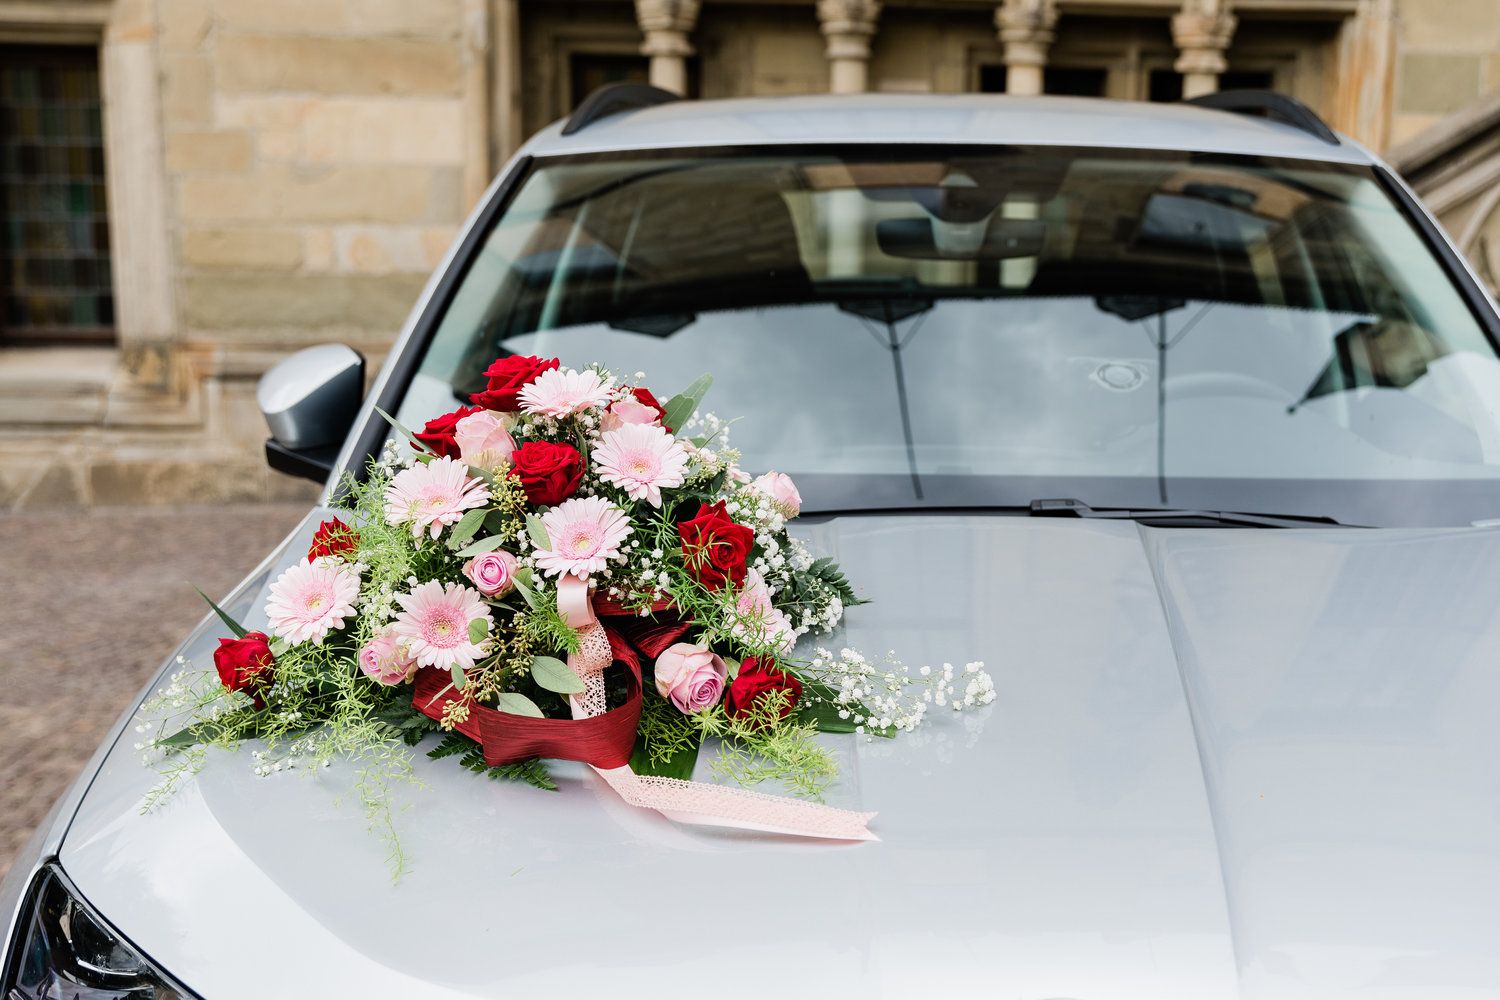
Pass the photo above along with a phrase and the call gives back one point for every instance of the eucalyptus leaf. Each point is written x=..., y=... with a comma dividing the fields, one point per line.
x=733, y=665
x=517, y=704
x=497, y=520
x=538, y=532
x=489, y=544
x=681, y=407
x=479, y=628
x=466, y=527
x=459, y=679
x=554, y=675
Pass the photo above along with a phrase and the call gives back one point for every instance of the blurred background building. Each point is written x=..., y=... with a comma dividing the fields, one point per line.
x=191, y=189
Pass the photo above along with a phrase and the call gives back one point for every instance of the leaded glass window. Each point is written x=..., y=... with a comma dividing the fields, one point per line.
x=54, y=232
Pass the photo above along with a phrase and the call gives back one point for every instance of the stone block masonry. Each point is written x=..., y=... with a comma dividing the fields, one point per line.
x=314, y=162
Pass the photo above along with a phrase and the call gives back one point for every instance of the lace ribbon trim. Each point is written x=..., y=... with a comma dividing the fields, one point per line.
x=692, y=802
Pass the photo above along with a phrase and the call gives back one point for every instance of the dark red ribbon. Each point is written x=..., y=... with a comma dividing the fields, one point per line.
x=605, y=740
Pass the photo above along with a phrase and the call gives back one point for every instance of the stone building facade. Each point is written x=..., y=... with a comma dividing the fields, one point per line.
x=191, y=189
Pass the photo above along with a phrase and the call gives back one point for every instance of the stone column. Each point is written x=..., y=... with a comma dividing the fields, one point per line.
x=848, y=25
x=666, y=25
x=1363, y=104
x=1201, y=32
x=1025, y=28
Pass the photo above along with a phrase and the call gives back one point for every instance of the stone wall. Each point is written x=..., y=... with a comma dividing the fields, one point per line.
x=1449, y=55
x=314, y=160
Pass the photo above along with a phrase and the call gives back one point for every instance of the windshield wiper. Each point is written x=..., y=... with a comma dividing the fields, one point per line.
x=1179, y=517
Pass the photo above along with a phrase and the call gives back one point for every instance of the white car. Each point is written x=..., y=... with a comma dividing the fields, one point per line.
x=1184, y=419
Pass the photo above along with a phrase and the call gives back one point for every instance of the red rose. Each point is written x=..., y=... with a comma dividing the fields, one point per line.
x=715, y=547
x=438, y=434
x=549, y=473
x=508, y=376
x=757, y=678
x=245, y=664
x=333, y=538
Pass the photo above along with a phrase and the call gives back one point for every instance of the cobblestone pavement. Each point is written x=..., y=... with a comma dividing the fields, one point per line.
x=91, y=603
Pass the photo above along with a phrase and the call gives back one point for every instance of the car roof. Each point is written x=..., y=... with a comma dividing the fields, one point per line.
x=942, y=118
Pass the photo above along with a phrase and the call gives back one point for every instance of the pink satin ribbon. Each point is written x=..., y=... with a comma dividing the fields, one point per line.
x=692, y=802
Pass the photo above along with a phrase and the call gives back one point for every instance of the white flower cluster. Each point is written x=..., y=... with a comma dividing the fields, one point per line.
x=394, y=457
x=707, y=425
x=266, y=764
x=884, y=695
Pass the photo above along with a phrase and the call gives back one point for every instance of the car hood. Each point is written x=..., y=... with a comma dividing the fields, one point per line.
x=1222, y=763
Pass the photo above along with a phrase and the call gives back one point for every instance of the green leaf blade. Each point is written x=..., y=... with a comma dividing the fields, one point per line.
x=554, y=675
x=234, y=626
x=410, y=437
x=517, y=704
x=466, y=527
x=538, y=532
x=482, y=546
x=681, y=407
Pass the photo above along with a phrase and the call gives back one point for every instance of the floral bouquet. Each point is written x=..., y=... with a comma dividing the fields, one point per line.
x=567, y=569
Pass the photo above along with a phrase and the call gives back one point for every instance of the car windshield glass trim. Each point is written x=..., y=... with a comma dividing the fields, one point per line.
x=953, y=325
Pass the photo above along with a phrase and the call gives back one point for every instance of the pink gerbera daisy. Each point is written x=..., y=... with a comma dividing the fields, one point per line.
x=434, y=622
x=642, y=460
x=433, y=494
x=559, y=393
x=585, y=534
x=311, y=598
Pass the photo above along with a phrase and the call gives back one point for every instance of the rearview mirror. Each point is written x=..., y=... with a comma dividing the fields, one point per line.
x=1003, y=240
x=309, y=401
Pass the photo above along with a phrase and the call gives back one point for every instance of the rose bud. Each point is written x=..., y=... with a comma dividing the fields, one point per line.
x=715, y=547
x=245, y=664
x=691, y=675
x=493, y=573
x=549, y=473
x=642, y=409
x=757, y=678
x=483, y=442
x=385, y=659
x=333, y=538
x=779, y=487
x=508, y=376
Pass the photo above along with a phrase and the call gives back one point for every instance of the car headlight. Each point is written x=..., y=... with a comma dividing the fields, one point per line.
x=63, y=950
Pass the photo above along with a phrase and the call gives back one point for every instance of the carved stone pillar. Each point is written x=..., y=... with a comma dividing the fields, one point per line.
x=1201, y=32
x=1025, y=28
x=848, y=25
x=666, y=25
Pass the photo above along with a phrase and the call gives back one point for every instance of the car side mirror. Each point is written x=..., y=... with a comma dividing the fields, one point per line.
x=309, y=401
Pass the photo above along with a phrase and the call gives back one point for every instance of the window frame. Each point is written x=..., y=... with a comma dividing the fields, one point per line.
x=72, y=53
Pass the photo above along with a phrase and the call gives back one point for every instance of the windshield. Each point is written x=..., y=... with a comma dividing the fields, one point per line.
x=955, y=327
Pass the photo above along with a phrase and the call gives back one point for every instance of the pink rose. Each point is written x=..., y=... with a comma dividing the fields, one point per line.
x=691, y=675
x=483, y=442
x=757, y=622
x=629, y=411
x=385, y=659
x=493, y=573
x=779, y=487
x=738, y=475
